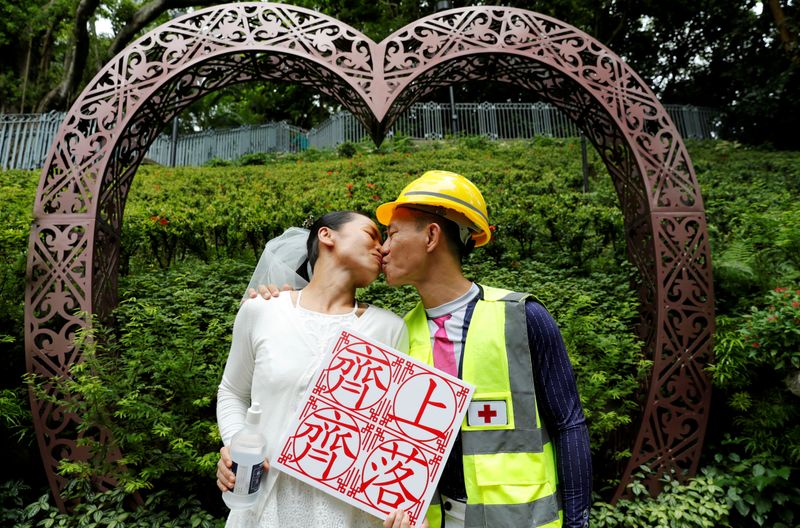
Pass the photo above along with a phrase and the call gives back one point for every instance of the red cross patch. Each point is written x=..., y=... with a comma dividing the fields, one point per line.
x=487, y=412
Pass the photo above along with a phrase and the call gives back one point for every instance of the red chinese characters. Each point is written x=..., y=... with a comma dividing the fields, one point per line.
x=375, y=428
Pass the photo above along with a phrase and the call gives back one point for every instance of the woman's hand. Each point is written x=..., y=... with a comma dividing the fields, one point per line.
x=400, y=519
x=225, y=477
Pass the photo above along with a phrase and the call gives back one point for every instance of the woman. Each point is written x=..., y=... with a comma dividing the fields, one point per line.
x=277, y=346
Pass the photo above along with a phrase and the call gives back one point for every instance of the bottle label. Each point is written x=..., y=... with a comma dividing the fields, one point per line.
x=248, y=480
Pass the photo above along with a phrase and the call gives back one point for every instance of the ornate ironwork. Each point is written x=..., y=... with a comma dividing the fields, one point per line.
x=75, y=237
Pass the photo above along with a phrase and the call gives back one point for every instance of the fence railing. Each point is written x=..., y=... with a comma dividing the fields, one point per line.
x=227, y=144
x=26, y=138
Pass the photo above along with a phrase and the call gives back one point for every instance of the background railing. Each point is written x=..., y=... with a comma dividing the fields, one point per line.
x=26, y=138
x=228, y=144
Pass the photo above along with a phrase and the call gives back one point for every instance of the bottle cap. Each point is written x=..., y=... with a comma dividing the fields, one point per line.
x=254, y=413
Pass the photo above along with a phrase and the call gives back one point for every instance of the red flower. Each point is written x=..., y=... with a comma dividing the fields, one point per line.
x=163, y=221
x=330, y=172
x=154, y=218
x=779, y=290
x=349, y=186
x=376, y=197
x=371, y=185
x=492, y=228
x=755, y=344
x=795, y=304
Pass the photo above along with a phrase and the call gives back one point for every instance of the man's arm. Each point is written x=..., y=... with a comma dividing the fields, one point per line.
x=560, y=408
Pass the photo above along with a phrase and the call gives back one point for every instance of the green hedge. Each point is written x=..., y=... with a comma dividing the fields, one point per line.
x=192, y=235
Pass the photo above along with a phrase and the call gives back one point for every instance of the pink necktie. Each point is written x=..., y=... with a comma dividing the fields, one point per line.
x=444, y=355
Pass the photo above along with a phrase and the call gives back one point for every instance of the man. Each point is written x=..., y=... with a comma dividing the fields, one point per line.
x=522, y=458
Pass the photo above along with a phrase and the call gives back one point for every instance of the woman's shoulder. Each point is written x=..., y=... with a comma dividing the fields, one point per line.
x=258, y=306
x=382, y=315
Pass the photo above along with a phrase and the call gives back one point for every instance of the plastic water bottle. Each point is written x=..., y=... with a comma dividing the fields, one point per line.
x=248, y=448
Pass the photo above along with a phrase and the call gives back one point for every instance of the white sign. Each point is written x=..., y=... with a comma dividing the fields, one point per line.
x=375, y=428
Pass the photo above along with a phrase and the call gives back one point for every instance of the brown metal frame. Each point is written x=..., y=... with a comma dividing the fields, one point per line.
x=74, y=246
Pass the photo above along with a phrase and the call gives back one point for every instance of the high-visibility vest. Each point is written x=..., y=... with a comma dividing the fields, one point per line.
x=509, y=469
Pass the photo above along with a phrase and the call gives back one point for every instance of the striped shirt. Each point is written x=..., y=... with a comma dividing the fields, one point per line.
x=557, y=397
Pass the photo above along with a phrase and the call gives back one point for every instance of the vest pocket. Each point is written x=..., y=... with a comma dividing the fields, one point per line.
x=512, y=469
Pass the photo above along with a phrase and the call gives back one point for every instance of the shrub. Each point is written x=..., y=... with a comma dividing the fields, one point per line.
x=114, y=509
x=191, y=236
x=755, y=355
x=698, y=503
x=151, y=380
x=346, y=150
x=760, y=490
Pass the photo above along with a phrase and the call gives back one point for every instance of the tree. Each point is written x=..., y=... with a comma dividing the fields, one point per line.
x=740, y=56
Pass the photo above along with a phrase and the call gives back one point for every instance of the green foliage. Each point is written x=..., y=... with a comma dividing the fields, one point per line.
x=190, y=238
x=698, y=503
x=760, y=490
x=115, y=509
x=151, y=379
x=12, y=501
x=767, y=337
x=752, y=206
x=15, y=414
x=756, y=357
x=346, y=149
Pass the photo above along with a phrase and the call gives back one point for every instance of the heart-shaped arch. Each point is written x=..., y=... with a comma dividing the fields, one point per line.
x=74, y=244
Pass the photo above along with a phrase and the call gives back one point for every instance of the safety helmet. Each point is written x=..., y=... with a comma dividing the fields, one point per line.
x=441, y=192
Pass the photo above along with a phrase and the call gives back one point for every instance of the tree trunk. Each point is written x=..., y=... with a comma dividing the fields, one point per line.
x=75, y=63
x=788, y=40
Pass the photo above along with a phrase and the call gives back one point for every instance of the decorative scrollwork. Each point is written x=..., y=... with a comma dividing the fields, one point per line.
x=74, y=244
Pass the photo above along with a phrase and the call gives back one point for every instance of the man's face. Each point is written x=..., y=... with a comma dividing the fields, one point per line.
x=404, y=250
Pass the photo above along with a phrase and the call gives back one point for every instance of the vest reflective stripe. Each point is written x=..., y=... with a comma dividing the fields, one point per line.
x=509, y=470
x=480, y=515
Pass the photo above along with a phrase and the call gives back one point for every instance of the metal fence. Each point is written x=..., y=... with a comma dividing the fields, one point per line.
x=228, y=144
x=25, y=139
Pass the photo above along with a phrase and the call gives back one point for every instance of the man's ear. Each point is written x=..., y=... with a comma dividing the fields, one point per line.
x=325, y=236
x=433, y=236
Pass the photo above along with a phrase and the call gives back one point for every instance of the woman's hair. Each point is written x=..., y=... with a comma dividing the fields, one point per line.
x=333, y=220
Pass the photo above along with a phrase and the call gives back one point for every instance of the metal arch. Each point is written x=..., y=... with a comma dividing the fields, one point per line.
x=74, y=244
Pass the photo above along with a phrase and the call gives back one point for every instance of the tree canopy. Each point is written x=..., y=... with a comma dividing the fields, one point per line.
x=739, y=56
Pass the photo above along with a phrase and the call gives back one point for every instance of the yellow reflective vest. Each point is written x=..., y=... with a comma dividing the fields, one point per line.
x=509, y=469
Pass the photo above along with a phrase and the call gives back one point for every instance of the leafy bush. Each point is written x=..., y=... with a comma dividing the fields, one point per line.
x=698, y=503
x=760, y=490
x=756, y=355
x=151, y=380
x=346, y=150
x=191, y=236
x=115, y=509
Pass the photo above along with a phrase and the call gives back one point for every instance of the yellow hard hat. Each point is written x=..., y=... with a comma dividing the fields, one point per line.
x=450, y=191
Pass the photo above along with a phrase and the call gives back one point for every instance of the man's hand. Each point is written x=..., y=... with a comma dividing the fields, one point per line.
x=267, y=291
x=400, y=519
x=225, y=477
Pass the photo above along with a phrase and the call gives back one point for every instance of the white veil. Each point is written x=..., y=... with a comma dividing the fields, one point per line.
x=281, y=259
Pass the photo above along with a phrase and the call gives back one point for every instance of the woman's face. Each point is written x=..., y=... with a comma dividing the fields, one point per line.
x=358, y=249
